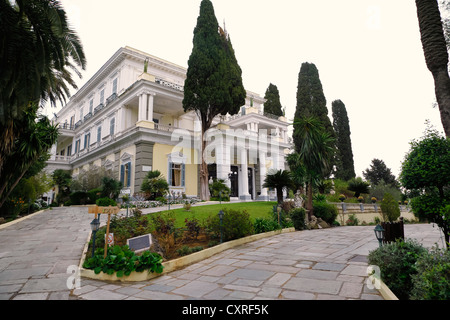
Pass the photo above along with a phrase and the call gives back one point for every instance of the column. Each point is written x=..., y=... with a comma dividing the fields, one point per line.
x=141, y=108
x=262, y=176
x=243, y=176
x=150, y=108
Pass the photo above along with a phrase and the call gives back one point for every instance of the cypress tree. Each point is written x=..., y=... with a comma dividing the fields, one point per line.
x=213, y=82
x=273, y=104
x=345, y=168
x=310, y=97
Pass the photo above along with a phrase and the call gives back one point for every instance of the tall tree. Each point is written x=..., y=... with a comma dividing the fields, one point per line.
x=436, y=55
x=38, y=52
x=213, y=84
x=345, y=168
x=33, y=144
x=314, y=149
x=311, y=100
x=378, y=172
x=273, y=104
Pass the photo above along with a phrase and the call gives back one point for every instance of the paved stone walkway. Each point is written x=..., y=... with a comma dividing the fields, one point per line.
x=307, y=265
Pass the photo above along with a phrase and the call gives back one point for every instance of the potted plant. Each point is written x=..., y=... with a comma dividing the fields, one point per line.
x=373, y=199
x=342, y=197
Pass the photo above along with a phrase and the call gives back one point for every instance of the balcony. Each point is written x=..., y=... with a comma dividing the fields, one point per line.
x=98, y=108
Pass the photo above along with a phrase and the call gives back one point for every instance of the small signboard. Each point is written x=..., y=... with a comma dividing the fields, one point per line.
x=109, y=239
x=140, y=243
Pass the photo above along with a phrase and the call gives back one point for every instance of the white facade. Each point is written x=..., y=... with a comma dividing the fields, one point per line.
x=131, y=122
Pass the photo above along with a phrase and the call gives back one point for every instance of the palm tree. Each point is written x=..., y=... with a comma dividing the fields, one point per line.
x=358, y=186
x=314, y=149
x=38, y=52
x=436, y=55
x=279, y=180
x=32, y=146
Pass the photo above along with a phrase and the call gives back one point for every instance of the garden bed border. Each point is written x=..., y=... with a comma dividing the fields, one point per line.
x=174, y=264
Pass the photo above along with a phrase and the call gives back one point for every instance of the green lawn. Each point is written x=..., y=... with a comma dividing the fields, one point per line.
x=255, y=209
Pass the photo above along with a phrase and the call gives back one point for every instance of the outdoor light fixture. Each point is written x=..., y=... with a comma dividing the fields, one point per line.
x=221, y=225
x=379, y=233
x=95, y=225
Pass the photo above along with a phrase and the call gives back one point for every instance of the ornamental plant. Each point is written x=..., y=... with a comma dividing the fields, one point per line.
x=122, y=261
x=389, y=208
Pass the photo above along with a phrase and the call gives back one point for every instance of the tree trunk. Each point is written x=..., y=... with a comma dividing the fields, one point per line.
x=204, y=181
x=436, y=55
x=442, y=89
x=309, y=201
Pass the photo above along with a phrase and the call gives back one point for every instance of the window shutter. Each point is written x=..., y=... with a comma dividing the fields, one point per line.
x=169, y=174
x=129, y=175
x=183, y=169
x=122, y=173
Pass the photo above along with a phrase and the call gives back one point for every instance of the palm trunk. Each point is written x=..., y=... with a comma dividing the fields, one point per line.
x=309, y=201
x=436, y=55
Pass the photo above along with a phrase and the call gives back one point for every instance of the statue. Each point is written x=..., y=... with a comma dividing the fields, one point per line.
x=145, y=65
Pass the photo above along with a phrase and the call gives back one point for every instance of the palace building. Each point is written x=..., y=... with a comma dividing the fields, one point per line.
x=129, y=118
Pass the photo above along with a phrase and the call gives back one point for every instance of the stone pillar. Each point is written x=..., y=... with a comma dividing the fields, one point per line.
x=243, y=176
x=150, y=108
x=145, y=111
x=262, y=172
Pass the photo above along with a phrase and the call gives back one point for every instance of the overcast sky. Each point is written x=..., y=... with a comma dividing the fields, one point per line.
x=368, y=53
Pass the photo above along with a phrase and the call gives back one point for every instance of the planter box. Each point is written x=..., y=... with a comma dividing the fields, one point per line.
x=393, y=231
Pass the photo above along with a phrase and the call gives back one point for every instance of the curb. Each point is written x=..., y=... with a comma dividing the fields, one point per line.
x=383, y=289
x=176, y=264
x=7, y=224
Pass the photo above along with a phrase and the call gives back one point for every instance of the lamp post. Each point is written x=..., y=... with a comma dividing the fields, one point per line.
x=95, y=225
x=221, y=225
x=379, y=233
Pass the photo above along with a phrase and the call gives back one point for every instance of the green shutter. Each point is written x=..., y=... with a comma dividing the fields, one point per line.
x=129, y=175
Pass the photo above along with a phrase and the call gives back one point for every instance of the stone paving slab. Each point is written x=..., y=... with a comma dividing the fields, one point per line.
x=325, y=264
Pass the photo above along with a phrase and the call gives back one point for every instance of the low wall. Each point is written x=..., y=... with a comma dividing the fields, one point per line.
x=366, y=212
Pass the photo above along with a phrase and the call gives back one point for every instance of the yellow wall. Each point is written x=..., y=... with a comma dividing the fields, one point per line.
x=160, y=158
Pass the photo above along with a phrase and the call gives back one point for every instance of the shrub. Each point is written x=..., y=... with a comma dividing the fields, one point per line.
x=123, y=261
x=106, y=202
x=262, y=225
x=298, y=218
x=389, y=208
x=193, y=227
x=397, y=263
x=78, y=198
x=352, y=220
x=326, y=211
x=236, y=224
x=432, y=280
x=219, y=190
x=93, y=195
x=155, y=185
x=185, y=250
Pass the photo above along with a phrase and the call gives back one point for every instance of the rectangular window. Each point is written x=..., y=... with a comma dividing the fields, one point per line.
x=72, y=121
x=114, y=86
x=99, y=134
x=91, y=104
x=87, y=140
x=176, y=174
x=112, y=125
x=102, y=96
x=69, y=150
x=81, y=113
x=125, y=174
x=77, y=145
x=62, y=152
